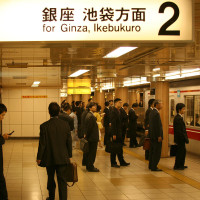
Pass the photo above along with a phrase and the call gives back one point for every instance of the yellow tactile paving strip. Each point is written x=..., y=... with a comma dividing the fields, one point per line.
x=173, y=173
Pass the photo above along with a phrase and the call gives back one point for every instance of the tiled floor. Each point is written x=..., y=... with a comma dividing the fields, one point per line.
x=26, y=181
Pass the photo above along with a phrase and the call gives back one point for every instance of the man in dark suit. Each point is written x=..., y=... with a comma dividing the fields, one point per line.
x=55, y=151
x=78, y=114
x=106, y=122
x=124, y=118
x=180, y=137
x=3, y=189
x=156, y=136
x=146, y=123
x=92, y=136
x=116, y=133
x=64, y=115
x=133, y=125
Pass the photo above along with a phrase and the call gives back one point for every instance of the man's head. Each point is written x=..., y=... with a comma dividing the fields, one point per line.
x=118, y=103
x=90, y=100
x=125, y=106
x=3, y=111
x=106, y=104
x=158, y=104
x=54, y=109
x=78, y=103
x=67, y=108
x=92, y=106
x=180, y=108
x=151, y=103
x=135, y=106
x=110, y=102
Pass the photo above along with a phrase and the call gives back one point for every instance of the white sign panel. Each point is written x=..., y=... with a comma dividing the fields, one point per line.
x=100, y=20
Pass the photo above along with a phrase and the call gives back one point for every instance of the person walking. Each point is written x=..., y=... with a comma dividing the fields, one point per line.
x=55, y=151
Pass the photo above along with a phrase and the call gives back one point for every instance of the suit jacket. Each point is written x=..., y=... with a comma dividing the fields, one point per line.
x=132, y=120
x=2, y=141
x=91, y=128
x=79, y=113
x=146, y=120
x=180, y=134
x=64, y=116
x=106, y=120
x=155, y=125
x=124, y=118
x=116, y=124
x=81, y=133
x=55, y=143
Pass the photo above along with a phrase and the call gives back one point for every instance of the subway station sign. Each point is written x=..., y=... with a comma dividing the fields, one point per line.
x=96, y=20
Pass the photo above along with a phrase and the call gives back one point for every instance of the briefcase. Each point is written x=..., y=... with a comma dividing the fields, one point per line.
x=84, y=146
x=173, y=150
x=72, y=174
x=147, y=144
x=113, y=147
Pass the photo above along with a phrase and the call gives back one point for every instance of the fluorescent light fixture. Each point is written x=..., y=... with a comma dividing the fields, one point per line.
x=156, y=75
x=36, y=82
x=79, y=72
x=156, y=69
x=172, y=77
x=119, y=52
x=136, y=81
x=108, y=86
x=63, y=94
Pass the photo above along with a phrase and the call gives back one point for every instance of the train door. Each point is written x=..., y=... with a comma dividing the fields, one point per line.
x=172, y=109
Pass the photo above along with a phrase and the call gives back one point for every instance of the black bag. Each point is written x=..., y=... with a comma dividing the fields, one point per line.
x=84, y=146
x=72, y=174
x=173, y=150
x=114, y=147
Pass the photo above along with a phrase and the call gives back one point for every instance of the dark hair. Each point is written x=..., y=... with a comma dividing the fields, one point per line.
x=63, y=103
x=116, y=100
x=91, y=104
x=54, y=109
x=179, y=106
x=151, y=101
x=74, y=109
x=67, y=107
x=89, y=100
x=110, y=101
x=125, y=105
x=135, y=105
x=98, y=108
x=2, y=108
x=156, y=102
x=78, y=103
x=106, y=103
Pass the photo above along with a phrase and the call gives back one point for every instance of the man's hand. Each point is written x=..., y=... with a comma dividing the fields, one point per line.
x=109, y=124
x=70, y=160
x=6, y=136
x=146, y=132
x=159, y=139
x=38, y=162
x=114, y=137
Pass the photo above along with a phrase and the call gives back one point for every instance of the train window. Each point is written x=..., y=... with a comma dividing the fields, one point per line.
x=172, y=110
x=197, y=111
x=189, y=114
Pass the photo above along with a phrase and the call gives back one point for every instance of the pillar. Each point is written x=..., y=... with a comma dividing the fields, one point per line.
x=85, y=97
x=99, y=97
x=162, y=93
x=109, y=96
x=76, y=97
x=69, y=99
x=122, y=93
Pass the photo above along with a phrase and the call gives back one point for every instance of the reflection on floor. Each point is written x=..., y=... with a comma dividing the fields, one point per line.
x=26, y=181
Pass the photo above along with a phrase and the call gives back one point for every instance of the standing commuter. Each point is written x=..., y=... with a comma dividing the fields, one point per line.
x=74, y=132
x=106, y=122
x=116, y=133
x=156, y=136
x=124, y=118
x=65, y=116
x=133, y=125
x=55, y=145
x=92, y=136
x=180, y=137
x=146, y=123
x=79, y=113
x=3, y=188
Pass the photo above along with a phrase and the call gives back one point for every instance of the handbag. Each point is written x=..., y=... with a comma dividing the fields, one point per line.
x=84, y=146
x=147, y=144
x=72, y=173
x=114, y=147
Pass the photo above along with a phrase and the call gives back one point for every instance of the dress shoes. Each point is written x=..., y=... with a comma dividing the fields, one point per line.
x=93, y=170
x=179, y=168
x=115, y=165
x=124, y=164
x=156, y=170
x=49, y=198
x=185, y=167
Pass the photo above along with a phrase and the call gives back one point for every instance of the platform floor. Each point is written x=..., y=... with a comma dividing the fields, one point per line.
x=26, y=181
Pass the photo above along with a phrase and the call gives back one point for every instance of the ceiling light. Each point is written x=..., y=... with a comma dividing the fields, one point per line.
x=119, y=52
x=156, y=69
x=156, y=75
x=79, y=72
x=36, y=82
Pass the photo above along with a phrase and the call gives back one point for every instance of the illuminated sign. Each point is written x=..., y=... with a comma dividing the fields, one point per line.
x=100, y=20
